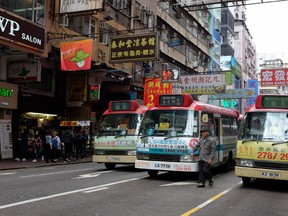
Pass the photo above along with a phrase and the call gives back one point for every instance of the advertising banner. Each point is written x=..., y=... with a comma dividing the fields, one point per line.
x=202, y=84
x=67, y=6
x=255, y=85
x=153, y=87
x=274, y=77
x=76, y=55
x=6, y=139
x=236, y=93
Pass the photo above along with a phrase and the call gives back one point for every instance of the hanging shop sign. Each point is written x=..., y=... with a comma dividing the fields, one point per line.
x=153, y=87
x=137, y=47
x=74, y=123
x=274, y=77
x=202, y=84
x=19, y=31
x=76, y=55
x=236, y=93
x=80, y=6
x=170, y=75
x=8, y=95
x=24, y=72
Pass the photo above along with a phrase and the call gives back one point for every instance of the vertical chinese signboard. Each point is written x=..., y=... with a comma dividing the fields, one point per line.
x=133, y=48
x=153, y=87
x=252, y=84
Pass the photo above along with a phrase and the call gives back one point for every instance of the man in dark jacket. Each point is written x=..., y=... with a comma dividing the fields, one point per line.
x=67, y=139
x=207, y=148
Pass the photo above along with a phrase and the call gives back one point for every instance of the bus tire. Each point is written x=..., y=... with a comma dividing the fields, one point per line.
x=152, y=173
x=246, y=181
x=110, y=166
x=228, y=164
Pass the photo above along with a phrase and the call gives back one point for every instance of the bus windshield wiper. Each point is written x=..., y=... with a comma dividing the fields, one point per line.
x=120, y=135
x=278, y=143
x=249, y=140
x=169, y=137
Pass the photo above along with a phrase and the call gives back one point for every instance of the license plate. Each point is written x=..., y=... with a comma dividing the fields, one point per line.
x=270, y=174
x=164, y=166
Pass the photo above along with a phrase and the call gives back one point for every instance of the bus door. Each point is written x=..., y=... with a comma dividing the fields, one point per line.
x=218, y=139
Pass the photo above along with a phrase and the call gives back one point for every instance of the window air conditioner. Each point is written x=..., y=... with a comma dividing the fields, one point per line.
x=104, y=25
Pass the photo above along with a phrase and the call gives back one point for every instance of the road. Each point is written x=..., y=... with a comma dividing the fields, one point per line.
x=91, y=190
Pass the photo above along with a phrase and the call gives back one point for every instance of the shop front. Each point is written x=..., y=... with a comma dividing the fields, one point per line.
x=8, y=103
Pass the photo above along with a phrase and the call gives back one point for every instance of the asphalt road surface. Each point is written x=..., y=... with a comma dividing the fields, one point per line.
x=91, y=190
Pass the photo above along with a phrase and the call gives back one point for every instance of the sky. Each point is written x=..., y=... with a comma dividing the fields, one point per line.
x=267, y=24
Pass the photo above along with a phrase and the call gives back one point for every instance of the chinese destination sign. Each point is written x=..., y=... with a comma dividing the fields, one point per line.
x=133, y=48
x=202, y=84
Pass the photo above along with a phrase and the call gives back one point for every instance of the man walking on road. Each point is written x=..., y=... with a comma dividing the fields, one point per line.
x=207, y=148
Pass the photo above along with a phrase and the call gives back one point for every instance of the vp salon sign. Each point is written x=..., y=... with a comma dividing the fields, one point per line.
x=20, y=31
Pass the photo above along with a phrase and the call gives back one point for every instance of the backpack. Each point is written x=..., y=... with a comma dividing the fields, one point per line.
x=54, y=143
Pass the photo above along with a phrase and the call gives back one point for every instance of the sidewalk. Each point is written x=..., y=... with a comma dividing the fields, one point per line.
x=6, y=164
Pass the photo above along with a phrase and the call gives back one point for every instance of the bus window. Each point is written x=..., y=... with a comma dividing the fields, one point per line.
x=169, y=123
x=226, y=126
x=234, y=126
x=208, y=120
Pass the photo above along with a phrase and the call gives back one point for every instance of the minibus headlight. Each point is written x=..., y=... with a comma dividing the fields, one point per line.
x=131, y=152
x=142, y=156
x=244, y=162
x=185, y=158
x=99, y=152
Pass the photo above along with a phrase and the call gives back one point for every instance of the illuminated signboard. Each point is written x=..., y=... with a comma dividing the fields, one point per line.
x=277, y=102
x=171, y=100
x=95, y=92
x=121, y=106
x=133, y=48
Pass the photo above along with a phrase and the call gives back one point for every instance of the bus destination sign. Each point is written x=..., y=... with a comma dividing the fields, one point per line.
x=171, y=100
x=274, y=101
x=121, y=106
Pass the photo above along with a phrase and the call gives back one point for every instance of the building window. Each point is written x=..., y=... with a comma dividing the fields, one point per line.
x=31, y=10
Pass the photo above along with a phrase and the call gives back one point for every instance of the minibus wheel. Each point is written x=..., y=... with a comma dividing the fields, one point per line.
x=110, y=166
x=246, y=181
x=152, y=173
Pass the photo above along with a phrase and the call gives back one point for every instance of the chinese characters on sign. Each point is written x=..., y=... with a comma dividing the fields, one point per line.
x=170, y=75
x=236, y=93
x=202, y=84
x=153, y=87
x=133, y=48
x=274, y=77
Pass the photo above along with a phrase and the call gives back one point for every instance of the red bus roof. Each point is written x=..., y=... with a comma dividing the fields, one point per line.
x=189, y=104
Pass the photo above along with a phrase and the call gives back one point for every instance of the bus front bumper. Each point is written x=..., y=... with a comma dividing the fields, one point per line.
x=114, y=159
x=261, y=173
x=166, y=166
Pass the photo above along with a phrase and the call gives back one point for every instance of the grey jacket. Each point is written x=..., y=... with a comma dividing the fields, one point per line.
x=207, y=149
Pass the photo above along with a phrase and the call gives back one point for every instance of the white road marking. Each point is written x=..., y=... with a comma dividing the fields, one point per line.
x=53, y=173
x=91, y=175
x=98, y=189
x=8, y=173
x=178, y=184
x=67, y=193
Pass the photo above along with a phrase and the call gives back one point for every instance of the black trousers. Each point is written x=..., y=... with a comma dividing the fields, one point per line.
x=204, y=172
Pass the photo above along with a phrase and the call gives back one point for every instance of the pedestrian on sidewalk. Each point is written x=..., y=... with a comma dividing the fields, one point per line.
x=48, y=146
x=67, y=139
x=23, y=145
x=37, y=147
x=207, y=148
x=56, y=144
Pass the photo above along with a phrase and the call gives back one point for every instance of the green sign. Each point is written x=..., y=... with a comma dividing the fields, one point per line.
x=277, y=102
x=6, y=92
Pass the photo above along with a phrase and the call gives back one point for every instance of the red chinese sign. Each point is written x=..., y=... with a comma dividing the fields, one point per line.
x=76, y=55
x=153, y=87
x=274, y=77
